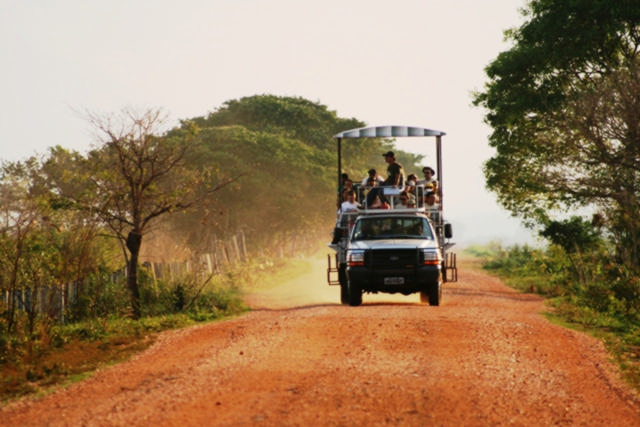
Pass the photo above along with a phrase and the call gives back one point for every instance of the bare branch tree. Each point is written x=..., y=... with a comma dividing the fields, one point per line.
x=138, y=175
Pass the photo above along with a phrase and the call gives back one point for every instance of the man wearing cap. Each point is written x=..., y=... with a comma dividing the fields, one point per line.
x=395, y=173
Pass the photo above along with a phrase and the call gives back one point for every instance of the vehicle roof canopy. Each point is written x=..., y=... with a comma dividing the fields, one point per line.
x=392, y=132
x=388, y=132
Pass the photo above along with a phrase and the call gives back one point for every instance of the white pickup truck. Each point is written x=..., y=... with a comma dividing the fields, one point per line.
x=394, y=250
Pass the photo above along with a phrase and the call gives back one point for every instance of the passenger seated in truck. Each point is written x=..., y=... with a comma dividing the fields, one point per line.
x=436, y=189
x=429, y=176
x=361, y=193
x=411, y=183
x=431, y=205
x=416, y=230
x=375, y=198
x=347, y=186
x=378, y=202
x=372, y=179
x=395, y=178
x=366, y=232
x=344, y=177
x=407, y=201
x=350, y=204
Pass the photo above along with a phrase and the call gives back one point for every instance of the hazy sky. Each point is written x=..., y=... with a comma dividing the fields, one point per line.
x=407, y=62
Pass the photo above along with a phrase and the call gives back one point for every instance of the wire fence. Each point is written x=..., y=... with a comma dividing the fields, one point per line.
x=224, y=256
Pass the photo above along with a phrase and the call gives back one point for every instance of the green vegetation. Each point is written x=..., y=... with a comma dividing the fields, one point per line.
x=563, y=105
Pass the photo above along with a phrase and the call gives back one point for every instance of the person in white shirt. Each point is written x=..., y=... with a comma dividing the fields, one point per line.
x=431, y=205
x=407, y=201
x=350, y=204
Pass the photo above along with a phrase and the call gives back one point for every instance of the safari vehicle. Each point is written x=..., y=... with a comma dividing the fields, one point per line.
x=395, y=250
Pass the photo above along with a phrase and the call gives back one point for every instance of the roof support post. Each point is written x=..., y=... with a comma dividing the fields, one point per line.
x=339, y=164
x=439, y=167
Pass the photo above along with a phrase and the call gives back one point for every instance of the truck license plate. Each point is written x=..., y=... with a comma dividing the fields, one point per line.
x=394, y=280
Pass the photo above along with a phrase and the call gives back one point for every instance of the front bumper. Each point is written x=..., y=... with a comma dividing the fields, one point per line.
x=394, y=280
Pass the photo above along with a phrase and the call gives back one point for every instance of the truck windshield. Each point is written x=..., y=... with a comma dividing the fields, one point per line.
x=392, y=228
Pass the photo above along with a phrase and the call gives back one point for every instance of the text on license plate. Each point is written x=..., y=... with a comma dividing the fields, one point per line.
x=394, y=280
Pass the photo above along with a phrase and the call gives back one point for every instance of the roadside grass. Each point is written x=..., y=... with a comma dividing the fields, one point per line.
x=571, y=306
x=69, y=355
x=56, y=355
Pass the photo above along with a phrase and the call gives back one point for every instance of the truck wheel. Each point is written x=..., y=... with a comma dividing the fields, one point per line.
x=342, y=274
x=344, y=294
x=355, y=295
x=344, y=286
x=435, y=293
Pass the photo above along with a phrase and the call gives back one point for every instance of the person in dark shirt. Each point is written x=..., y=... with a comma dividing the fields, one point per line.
x=395, y=178
x=395, y=172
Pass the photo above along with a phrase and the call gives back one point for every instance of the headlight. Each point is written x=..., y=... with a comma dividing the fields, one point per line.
x=432, y=257
x=355, y=258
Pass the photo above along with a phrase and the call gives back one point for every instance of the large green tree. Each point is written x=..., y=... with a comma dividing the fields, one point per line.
x=295, y=117
x=299, y=119
x=564, y=104
x=284, y=150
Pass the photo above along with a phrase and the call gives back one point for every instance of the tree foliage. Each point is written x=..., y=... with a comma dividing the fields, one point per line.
x=572, y=235
x=133, y=178
x=293, y=117
x=283, y=183
x=43, y=246
x=564, y=103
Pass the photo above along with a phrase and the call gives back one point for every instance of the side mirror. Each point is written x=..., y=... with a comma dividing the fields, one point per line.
x=448, y=231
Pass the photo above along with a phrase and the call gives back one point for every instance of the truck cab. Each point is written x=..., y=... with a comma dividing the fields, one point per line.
x=397, y=249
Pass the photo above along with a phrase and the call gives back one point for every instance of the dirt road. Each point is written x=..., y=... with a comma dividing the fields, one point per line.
x=485, y=357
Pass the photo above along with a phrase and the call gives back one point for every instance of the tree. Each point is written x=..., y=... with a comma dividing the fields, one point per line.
x=284, y=148
x=20, y=217
x=564, y=103
x=294, y=117
x=136, y=176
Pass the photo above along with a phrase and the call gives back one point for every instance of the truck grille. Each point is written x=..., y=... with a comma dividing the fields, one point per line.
x=393, y=258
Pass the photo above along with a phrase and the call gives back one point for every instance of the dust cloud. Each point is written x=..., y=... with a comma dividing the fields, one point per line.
x=311, y=289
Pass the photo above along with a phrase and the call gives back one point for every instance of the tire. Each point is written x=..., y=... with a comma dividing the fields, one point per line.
x=355, y=295
x=435, y=293
x=344, y=294
x=344, y=286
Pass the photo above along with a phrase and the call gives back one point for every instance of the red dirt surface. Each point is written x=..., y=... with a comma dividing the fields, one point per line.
x=486, y=356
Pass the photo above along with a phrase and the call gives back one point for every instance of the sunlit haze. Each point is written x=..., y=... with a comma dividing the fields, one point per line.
x=409, y=62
